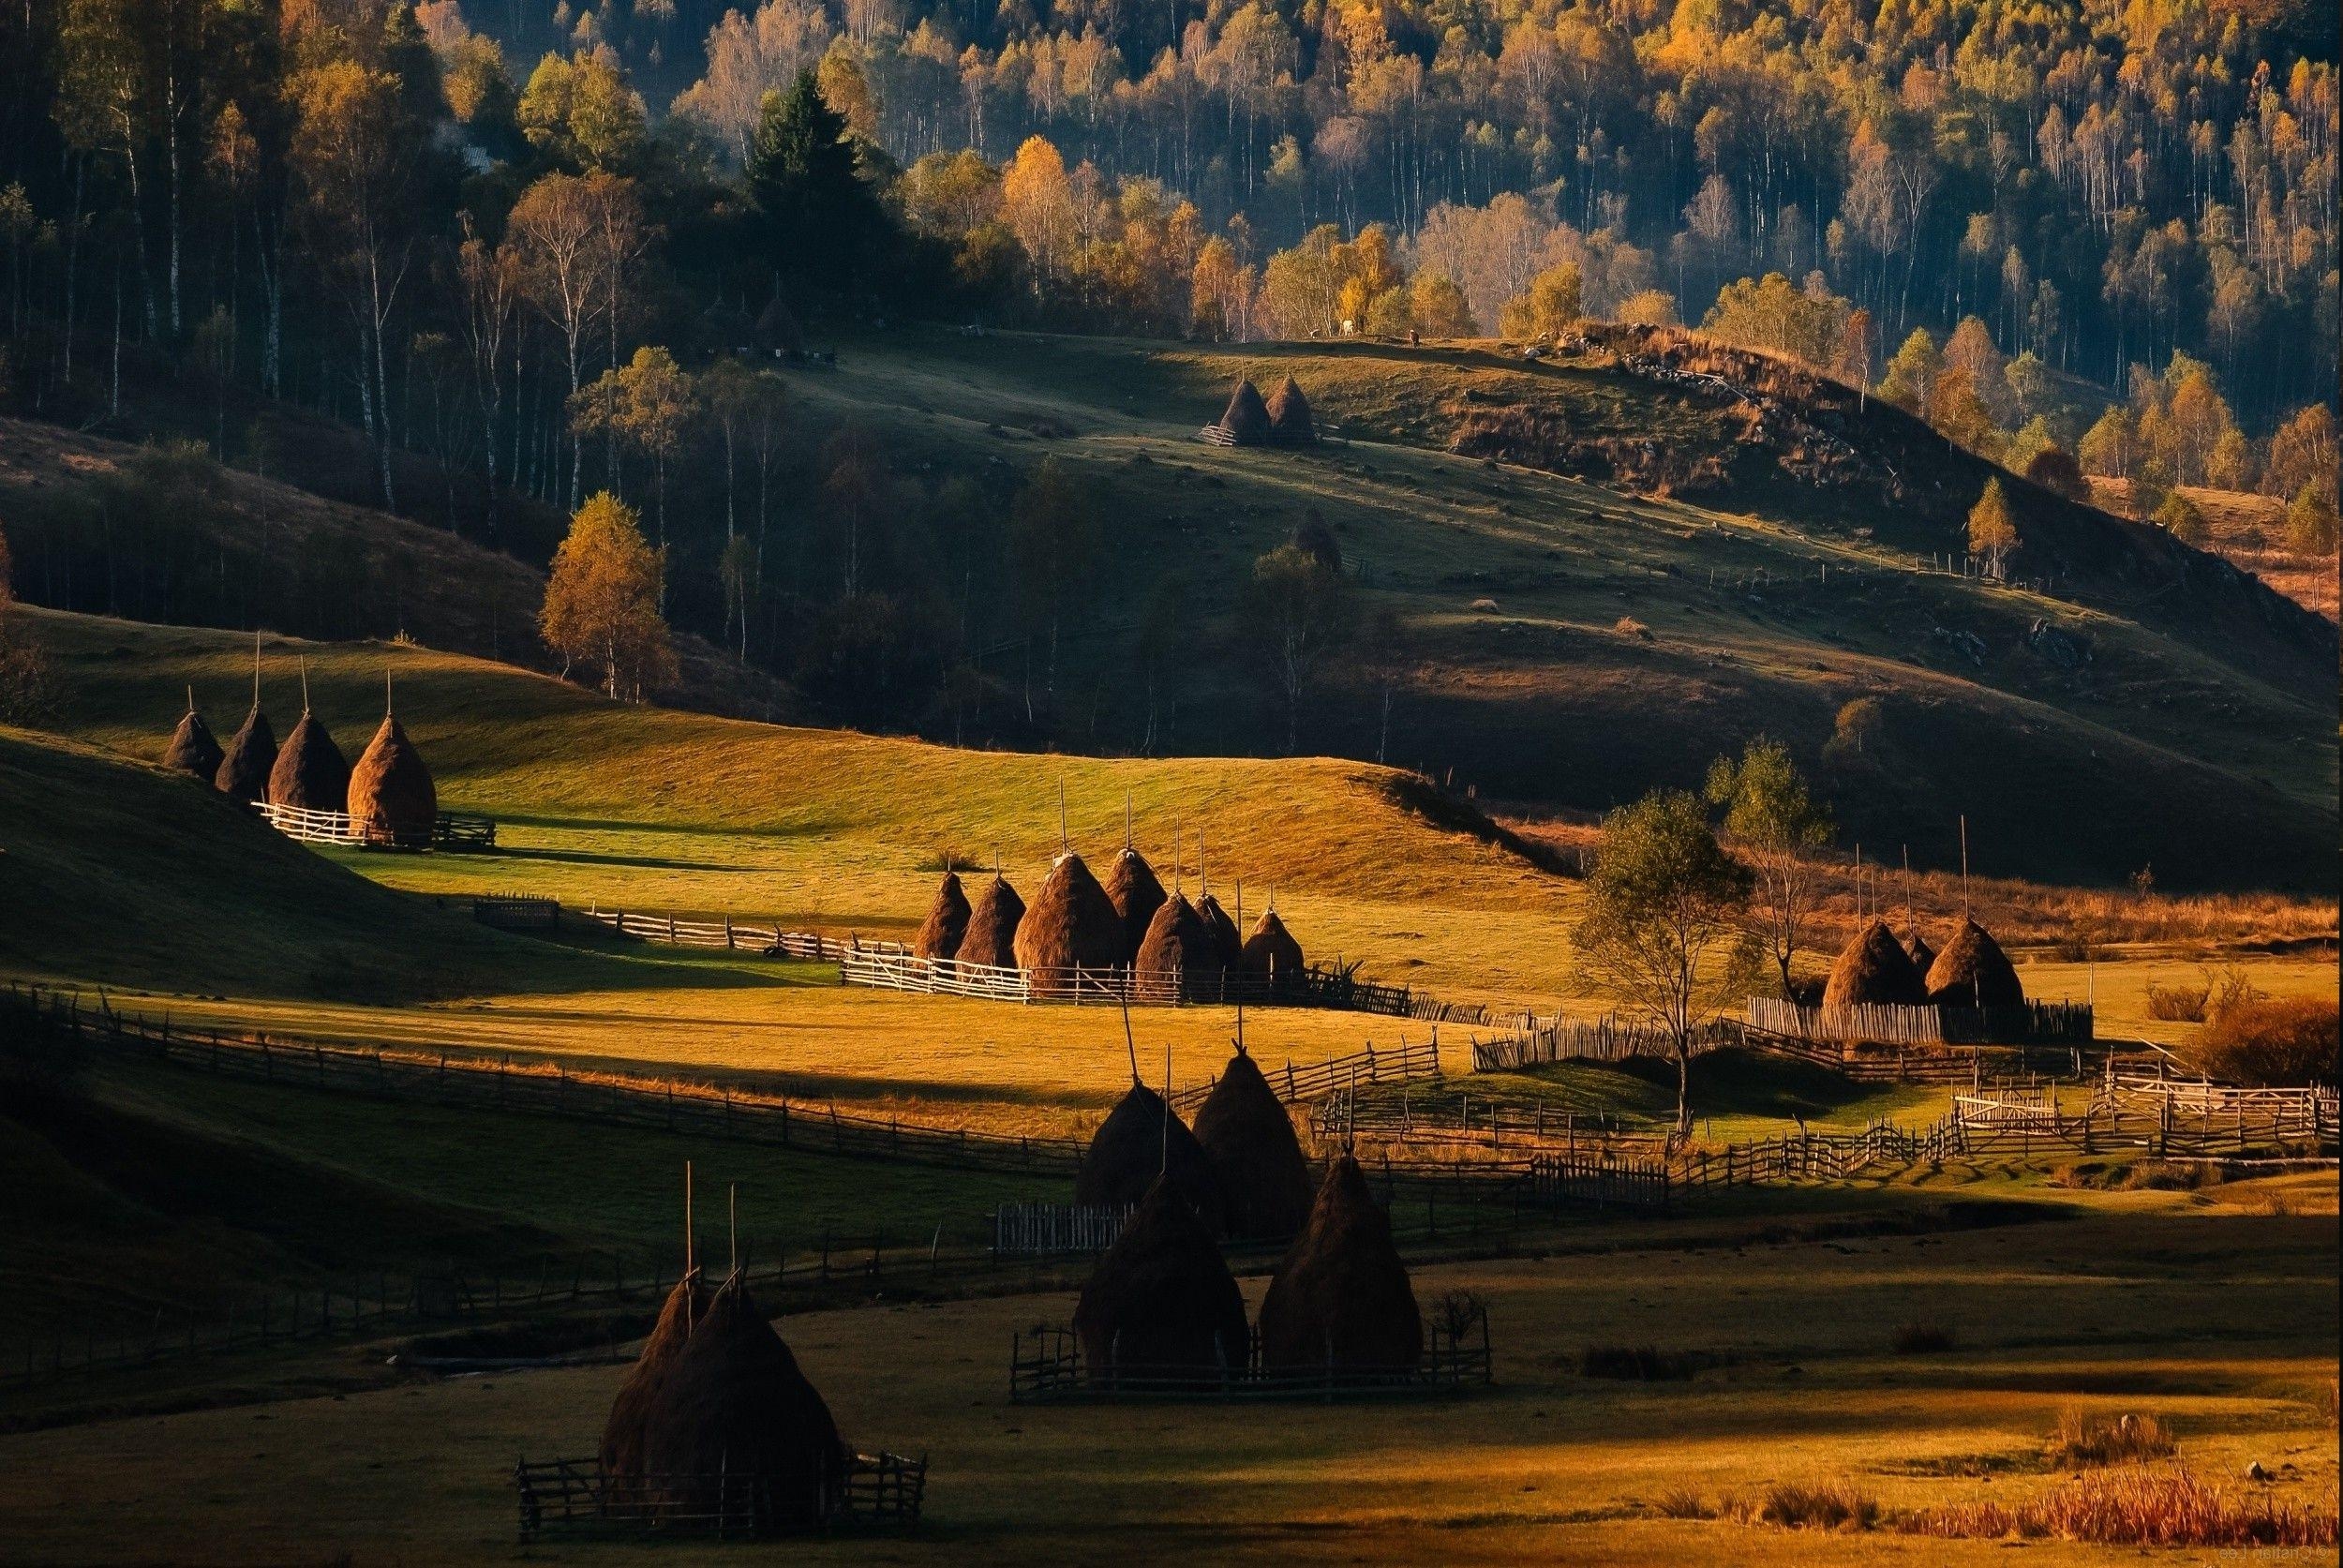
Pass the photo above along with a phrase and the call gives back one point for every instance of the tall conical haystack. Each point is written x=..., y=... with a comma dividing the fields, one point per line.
x=1133, y=1149
x=735, y=1408
x=1228, y=948
x=1136, y=893
x=392, y=799
x=1161, y=1302
x=1247, y=418
x=991, y=934
x=1178, y=957
x=1247, y=1135
x=1314, y=539
x=309, y=772
x=1271, y=953
x=1872, y=967
x=192, y=750
x=1974, y=972
x=1071, y=924
x=1290, y=423
x=631, y=1411
x=1922, y=956
x=1342, y=1296
x=244, y=767
x=940, y=933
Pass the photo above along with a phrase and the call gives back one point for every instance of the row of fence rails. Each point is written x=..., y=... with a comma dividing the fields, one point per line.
x=1464, y=1120
x=1299, y=1083
x=305, y=826
x=579, y=1498
x=1590, y=1181
x=890, y=968
x=743, y=936
x=550, y=1088
x=2312, y=1105
x=515, y=911
x=1882, y=1023
x=1039, y=1229
x=1608, y=1039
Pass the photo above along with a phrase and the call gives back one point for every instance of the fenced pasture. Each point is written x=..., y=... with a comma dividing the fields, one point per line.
x=1775, y=1026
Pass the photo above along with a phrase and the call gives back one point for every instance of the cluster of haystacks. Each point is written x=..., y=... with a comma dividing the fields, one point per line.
x=1245, y=421
x=939, y=935
x=192, y=750
x=1143, y=1144
x=1071, y=925
x=1872, y=969
x=1290, y=423
x=392, y=797
x=990, y=935
x=1248, y=1137
x=1972, y=971
x=1284, y=419
x=717, y=1410
x=1161, y=1303
x=1342, y=1298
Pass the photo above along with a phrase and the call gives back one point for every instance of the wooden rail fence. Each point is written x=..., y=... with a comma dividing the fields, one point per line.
x=453, y=830
x=1032, y=1230
x=1302, y=1085
x=576, y=1497
x=1874, y=1023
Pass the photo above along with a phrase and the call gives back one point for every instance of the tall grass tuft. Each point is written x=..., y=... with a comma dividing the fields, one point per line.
x=2163, y=1507
x=2086, y=1439
x=1804, y=1505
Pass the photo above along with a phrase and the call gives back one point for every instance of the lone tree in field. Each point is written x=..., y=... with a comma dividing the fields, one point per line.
x=1300, y=610
x=1992, y=532
x=602, y=599
x=1662, y=932
x=1779, y=824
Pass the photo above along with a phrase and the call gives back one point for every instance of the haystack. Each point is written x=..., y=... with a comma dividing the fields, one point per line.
x=1228, y=948
x=1136, y=893
x=1342, y=1297
x=1974, y=972
x=392, y=799
x=1143, y=1144
x=309, y=772
x=1161, y=1302
x=734, y=1407
x=622, y=1434
x=1247, y=418
x=1922, y=956
x=1289, y=416
x=991, y=934
x=1872, y=967
x=244, y=767
x=1249, y=1137
x=192, y=750
x=1072, y=924
x=1179, y=956
x=947, y=923
x=1271, y=953
x=1314, y=539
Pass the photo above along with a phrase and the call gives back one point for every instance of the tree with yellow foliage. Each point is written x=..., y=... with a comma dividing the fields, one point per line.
x=601, y=600
x=1992, y=532
x=1547, y=309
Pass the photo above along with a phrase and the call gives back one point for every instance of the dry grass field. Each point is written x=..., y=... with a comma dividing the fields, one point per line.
x=2218, y=1321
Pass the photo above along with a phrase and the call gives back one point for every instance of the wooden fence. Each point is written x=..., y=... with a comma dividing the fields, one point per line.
x=453, y=830
x=1441, y=1120
x=1874, y=1023
x=737, y=935
x=577, y=1498
x=1609, y=1038
x=1296, y=1085
x=517, y=911
x=1037, y=1229
x=1592, y=1182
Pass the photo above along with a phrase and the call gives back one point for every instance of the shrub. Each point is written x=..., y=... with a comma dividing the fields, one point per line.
x=1922, y=1338
x=2266, y=1042
x=2179, y=1004
x=1829, y=1505
x=2180, y=517
x=1682, y=1503
x=2134, y=1508
x=1628, y=626
x=2085, y=1439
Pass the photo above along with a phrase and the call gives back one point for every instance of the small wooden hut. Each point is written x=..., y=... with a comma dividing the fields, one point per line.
x=1136, y=893
x=1342, y=1297
x=1271, y=955
x=734, y=1413
x=1974, y=972
x=940, y=933
x=1245, y=421
x=311, y=772
x=1072, y=925
x=1161, y=1303
x=392, y=797
x=1290, y=423
x=992, y=935
x=1873, y=968
x=1143, y=1144
x=193, y=751
x=1247, y=1136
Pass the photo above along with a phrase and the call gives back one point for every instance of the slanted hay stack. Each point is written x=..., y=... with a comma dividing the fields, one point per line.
x=1271, y=955
x=392, y=799
x=192, y=750
x=1160, y=1302
x=1143, y=1144
x=1342, y=1297
x=1072, y=925
x=940, y=933
x=1178, y=957
x=1227, y=948
x=1290, y=423
x=622, y=1434
x=244, y=767
x=734, y=1407
x=1247, y=1135
x=310, y=773
x=1974, y=972
x=1245, y=421
x=992, y=935
x=1136, y=893
x=1873, y=968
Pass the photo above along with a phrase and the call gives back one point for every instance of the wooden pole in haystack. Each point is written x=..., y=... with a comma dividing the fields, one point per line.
x=1911, y=918
x=732, y=1223
x=691, y=1236
x=1064, y=843
x=1129, y=1044
x=1240, y=993
x=1965, y=865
